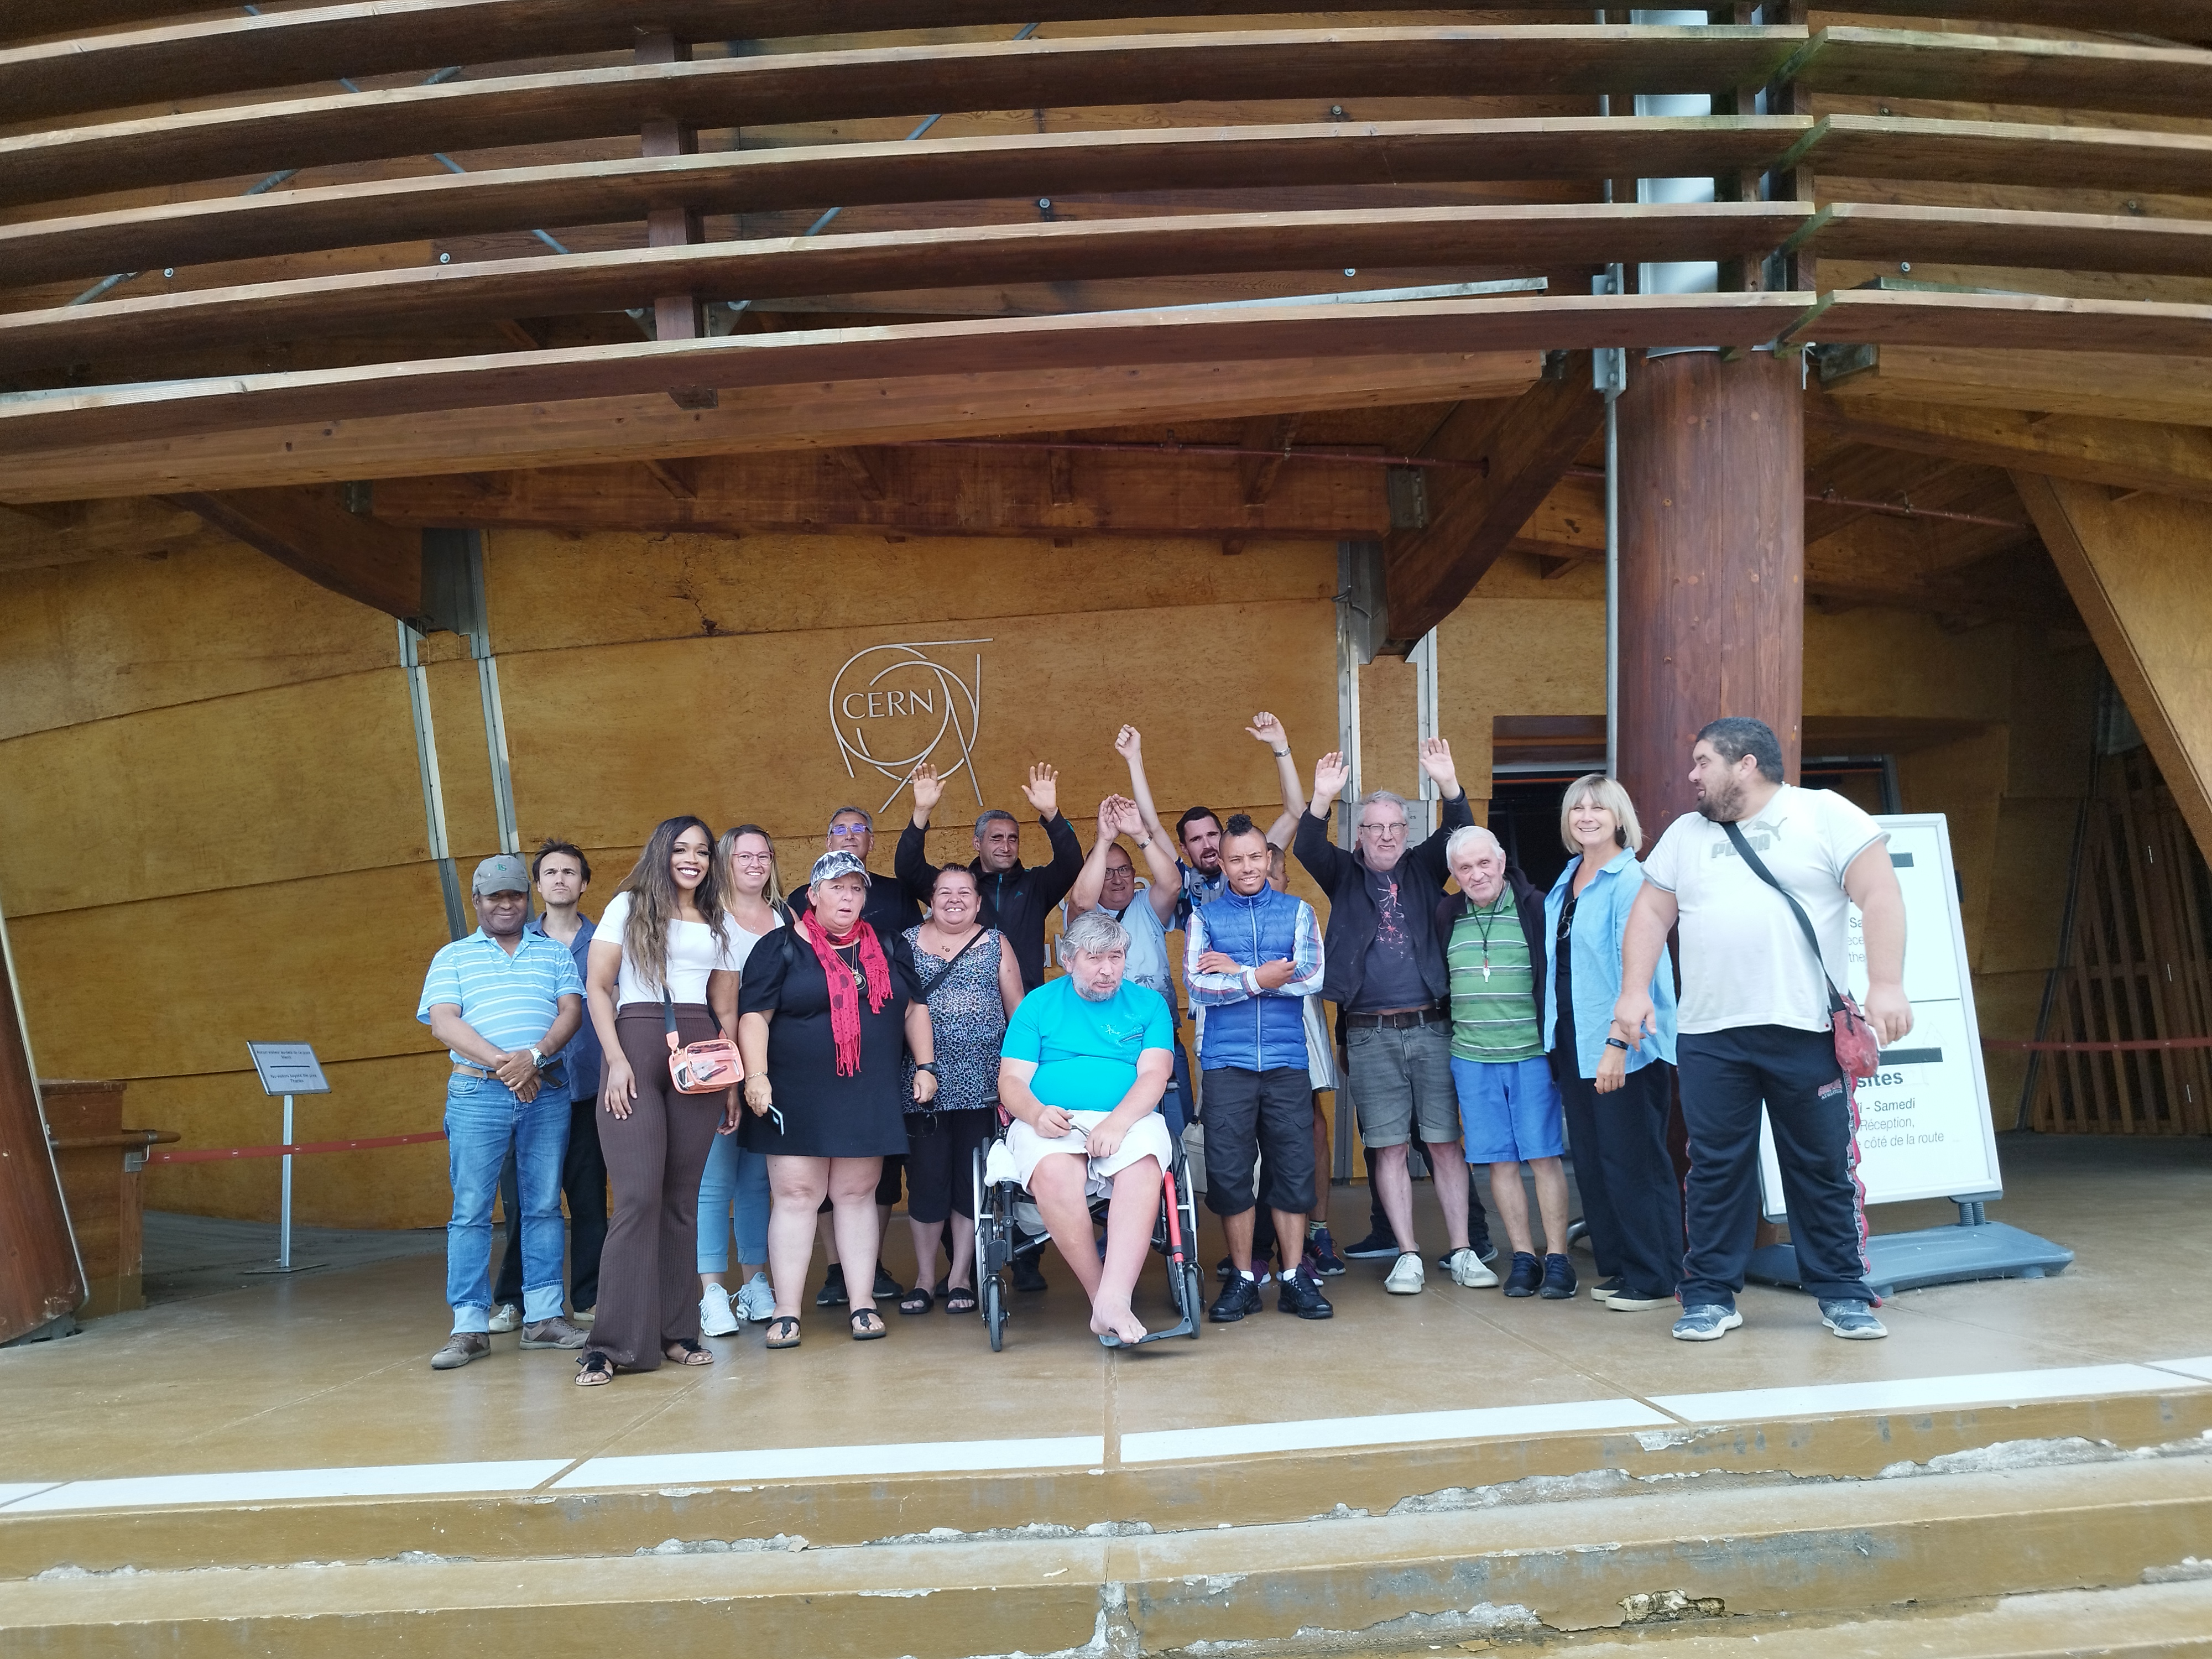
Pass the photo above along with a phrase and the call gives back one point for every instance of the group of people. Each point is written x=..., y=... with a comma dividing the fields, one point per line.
x=879, y=1044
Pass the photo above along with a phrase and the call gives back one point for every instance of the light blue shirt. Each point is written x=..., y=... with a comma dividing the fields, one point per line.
x=510, y=1001
x=1085, y=1053
x=1600, y=924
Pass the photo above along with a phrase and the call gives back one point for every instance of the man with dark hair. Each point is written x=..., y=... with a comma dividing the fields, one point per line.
x=560, y=872
x=1762, y=878
x=1017, y=897
x=1250, y=959
x=890, y=909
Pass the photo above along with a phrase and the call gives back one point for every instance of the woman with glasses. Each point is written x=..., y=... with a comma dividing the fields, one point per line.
x=733, y=1187
x=971, y=986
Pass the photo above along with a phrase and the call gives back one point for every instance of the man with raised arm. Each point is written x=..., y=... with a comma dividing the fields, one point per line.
x=1016, y=897
x=1387, y=972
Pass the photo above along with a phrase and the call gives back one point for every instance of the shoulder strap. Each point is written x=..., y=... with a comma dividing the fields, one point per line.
x=1804, y=921
x=945, y=973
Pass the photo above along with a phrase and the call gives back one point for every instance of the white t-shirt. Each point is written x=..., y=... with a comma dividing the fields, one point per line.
x=1744, y=957
x=694, y=950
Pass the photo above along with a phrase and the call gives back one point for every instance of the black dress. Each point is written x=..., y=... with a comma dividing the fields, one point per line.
x=825, y=1115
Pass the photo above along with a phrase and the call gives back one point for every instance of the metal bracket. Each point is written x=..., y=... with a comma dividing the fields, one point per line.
x=1407, y=494
x=1837, y=362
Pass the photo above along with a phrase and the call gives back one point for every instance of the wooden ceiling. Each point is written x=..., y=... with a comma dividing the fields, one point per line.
x=723, y=264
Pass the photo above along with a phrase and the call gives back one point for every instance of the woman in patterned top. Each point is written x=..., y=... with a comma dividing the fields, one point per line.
x=972, y=984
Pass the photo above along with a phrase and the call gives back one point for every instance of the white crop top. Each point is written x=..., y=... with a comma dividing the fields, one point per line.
x=694, y=950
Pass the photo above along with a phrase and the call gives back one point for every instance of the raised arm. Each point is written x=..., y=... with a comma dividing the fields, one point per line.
x=1166, y=891
x=1265, y=728
x=910, y=862
x=1325, y=861
x=1458, y=812
x=1129, y=744
x=1083, y=895
x=1043, y=792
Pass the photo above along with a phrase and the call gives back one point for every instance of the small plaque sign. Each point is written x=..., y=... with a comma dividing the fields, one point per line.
x=289, y=1068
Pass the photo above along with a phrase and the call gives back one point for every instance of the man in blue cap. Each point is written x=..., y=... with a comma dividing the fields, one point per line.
x=503, y=1001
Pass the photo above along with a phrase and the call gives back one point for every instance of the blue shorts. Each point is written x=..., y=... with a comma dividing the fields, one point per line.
x=1510, y=1109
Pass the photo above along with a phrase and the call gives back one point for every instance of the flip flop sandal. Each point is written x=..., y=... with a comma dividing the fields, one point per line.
x=594, y=1371
x=917, y=1301
x=783, y=1332
x=864, y=1332
x=960, y=1299
x=686, y=1353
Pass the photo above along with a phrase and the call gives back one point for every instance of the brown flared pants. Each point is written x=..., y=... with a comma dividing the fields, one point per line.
x=649, y=1271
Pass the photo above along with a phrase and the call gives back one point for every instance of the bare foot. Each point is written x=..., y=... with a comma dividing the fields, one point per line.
x=1118, y=1323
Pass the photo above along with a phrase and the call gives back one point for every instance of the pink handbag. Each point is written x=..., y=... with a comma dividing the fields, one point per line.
x=700, y=1068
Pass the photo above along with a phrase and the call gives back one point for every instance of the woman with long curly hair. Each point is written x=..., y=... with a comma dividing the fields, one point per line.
x=665, y=936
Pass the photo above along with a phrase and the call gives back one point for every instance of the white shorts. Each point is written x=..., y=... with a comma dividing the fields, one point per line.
x=1148, y=1137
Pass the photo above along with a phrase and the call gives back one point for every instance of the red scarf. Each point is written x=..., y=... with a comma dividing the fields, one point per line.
x=844, y=999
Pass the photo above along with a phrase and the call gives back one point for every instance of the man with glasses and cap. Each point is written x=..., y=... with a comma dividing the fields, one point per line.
x=504, y=1001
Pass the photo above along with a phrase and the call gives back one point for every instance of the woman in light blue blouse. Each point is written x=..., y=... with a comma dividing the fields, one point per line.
x=1618, y=1089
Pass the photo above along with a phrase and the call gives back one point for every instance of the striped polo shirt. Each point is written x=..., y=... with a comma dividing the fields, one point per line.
x=1494, y=1018
x=508, y=1001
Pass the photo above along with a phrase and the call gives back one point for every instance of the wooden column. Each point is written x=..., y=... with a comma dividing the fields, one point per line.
x=1712, y=563
x=675, y=316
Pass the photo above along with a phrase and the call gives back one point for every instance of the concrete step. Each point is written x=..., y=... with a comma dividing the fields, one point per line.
x=1532, y=1561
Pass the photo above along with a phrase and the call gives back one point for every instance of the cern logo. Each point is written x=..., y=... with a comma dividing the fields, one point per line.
x=891, y=707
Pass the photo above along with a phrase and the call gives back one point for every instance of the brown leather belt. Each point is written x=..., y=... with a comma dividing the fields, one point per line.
x=1399, y=1022
x=549, y=1072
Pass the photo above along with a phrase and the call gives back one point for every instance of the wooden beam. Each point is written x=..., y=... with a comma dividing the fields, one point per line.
x=917, y=489
x=1428, y=572
x=78, y=530
x=768, y=89
x=677, y=479
x=2136, y=569
x=2008, y=152
x=686, y=370
x=309, y=531
x=2172, y=460
x=2050, y=73
x=2114, y=386
x=1883, y=232
x=1259, y=472
x=1530, y=238
x=625, y=190
x=473, y=442
x=2006, y=321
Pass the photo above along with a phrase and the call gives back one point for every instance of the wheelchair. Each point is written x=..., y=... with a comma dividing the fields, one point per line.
x=1007, y=1224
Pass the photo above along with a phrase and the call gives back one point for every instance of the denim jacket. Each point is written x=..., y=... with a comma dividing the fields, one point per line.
x=1601, y=923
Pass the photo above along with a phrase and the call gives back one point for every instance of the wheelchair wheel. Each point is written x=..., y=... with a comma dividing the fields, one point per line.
x=1193, y=1291
x=994, y=1310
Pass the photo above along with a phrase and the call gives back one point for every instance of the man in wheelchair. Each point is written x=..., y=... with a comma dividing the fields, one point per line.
x=1085, y=1061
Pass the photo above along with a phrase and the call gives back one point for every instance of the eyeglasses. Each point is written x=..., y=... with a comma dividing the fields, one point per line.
x=848, y=831
x=1383, y=831
x=753, y=858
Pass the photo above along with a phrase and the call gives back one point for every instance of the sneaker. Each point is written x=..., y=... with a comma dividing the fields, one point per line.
x=1225, y=1270
x=1629, y=1302
x=715, y=1318
x=504, y=1317
x=832, y=1293
x=460, y=1347
x=1852, y=1320
x=1606, y=1289
x=1241, y=1296
x=1029, y=1272
x=1709, y=1322
x=1406, y=1275
x=1377, y=1246
x=887, y=1288
x=1485, y=1252
x=1527, y=1274
x=1558, y=1279
x=1467, y=1272
x=583, y=1315
x=1300, y=1295
x=756, y=1300
x=1321, y=1259
x=554, y=1333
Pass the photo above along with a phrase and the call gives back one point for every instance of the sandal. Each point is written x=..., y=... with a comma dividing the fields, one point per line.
x=685, y=1351
x=960, y=1299
x=868, y=1325
x=917, y=1301
x=594, y=1371
x=783, y=1332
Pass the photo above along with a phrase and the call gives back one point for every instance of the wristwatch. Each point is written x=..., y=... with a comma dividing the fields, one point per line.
x=930, y=1066
x=537, y=1059
x=1282, y=754
x=1615, y=1043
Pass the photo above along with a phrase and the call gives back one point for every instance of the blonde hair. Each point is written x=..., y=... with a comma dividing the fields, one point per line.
x=725, y=861
x=1603, y=792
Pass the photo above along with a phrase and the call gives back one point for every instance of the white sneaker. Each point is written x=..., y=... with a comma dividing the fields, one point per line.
x=1467, y=1271
x=505, y=1317
x=756, y=1300
x=715, y=1318
x=1407, y=1275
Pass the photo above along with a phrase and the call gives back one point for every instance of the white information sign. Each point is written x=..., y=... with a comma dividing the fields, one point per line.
x=289, y=1068
x=1924, y=1127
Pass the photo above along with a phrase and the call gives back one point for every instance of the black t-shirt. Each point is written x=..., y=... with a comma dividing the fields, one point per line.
x=1392, y=977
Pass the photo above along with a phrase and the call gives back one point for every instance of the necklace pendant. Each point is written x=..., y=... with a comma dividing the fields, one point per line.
x=1485, y=971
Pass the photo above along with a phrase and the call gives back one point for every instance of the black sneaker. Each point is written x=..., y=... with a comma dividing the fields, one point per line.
x=1321, y=1259
x=1238, y=1298
x=1559, y=1279
x=1301, y=1296
x=1377, y=1246
x=1527, y=1274
x=1028, y=1274
x=1226, y=1269
x=832, y=1293
x=887, y=1288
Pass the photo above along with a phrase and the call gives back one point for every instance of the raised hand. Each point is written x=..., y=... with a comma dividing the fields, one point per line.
x=1043, y=790
x=1129, y=743
x=1436, y=761
x=928, y=787
x=1331, y=773
x=1268, y=730
x=1128, y=819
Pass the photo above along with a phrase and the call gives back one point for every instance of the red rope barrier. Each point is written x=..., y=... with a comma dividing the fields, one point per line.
x=2099, y=1047
x=209, y=1155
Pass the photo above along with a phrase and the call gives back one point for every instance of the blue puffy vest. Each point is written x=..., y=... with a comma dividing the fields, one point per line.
x=1265, y=1033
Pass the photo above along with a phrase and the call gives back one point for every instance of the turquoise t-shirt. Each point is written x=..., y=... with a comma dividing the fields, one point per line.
x=1085, y=1051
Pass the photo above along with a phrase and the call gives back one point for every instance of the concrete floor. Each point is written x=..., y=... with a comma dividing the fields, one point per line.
x=329, y=1368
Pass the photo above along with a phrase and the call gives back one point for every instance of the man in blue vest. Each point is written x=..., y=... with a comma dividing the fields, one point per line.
x=1251, y=956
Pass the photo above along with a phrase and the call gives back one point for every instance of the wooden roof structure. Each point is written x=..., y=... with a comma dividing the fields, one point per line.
x=318, y=276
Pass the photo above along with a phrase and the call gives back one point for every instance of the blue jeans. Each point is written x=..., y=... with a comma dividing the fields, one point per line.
x=483, y=1119
x=733, y=1185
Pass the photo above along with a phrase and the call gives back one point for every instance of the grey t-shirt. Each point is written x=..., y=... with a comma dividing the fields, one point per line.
x=1393, y=976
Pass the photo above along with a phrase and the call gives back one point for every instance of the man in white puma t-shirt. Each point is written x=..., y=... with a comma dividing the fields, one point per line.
x=1754, y=1024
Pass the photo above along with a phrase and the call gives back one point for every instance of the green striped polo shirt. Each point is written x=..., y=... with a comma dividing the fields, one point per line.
x=1494, y=1018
